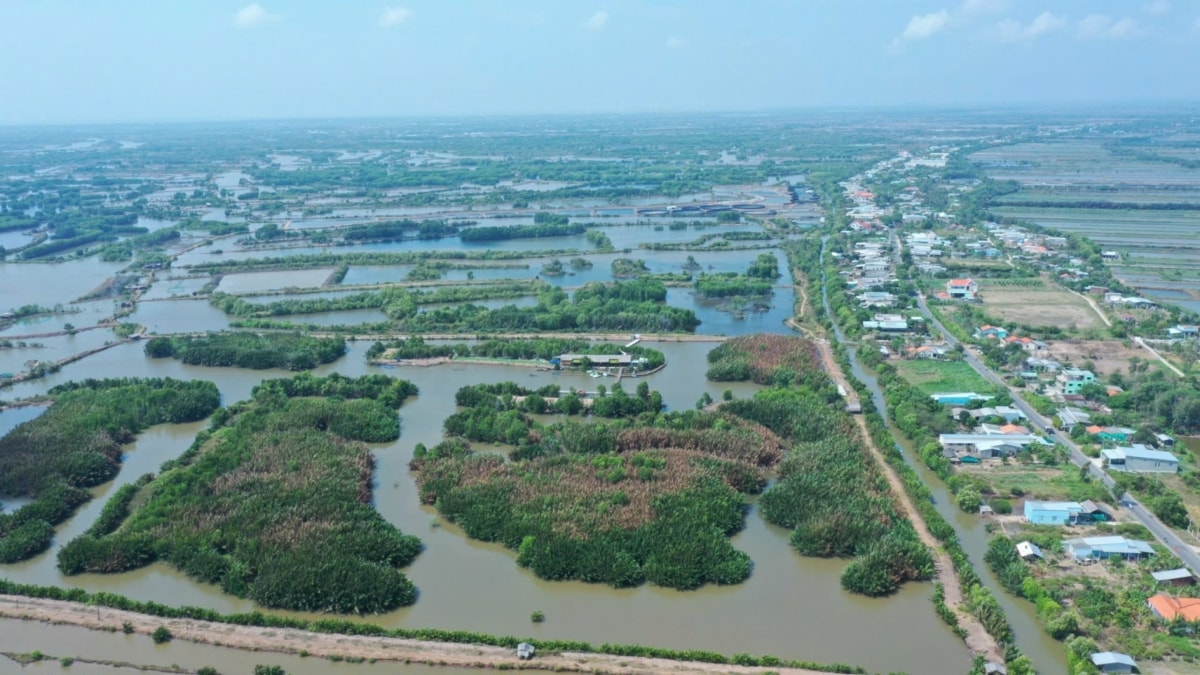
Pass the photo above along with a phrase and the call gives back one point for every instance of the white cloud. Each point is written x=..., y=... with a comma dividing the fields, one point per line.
x=676, y=42
x=973, y=7
x=1014, y=31
x=1098, y=26
x=598, y=20
x=393, y=15
x=253, y=15
x=1157, y=7
x=925, y=25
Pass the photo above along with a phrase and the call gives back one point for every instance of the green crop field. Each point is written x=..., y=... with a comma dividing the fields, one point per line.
x=934, y=377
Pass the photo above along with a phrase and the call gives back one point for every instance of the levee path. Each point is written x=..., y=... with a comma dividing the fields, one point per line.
x=978, y=640
x=370, y=648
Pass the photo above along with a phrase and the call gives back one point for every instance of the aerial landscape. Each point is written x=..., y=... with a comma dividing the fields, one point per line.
x=848, y=385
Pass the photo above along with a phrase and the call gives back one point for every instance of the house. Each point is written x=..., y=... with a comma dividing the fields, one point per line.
x=1052, y=513
x=958, y=398
x=1095, y=513
x=1100, y=548
x=1072, y=380
x=596, y=359
x=1138, y=458
x=1114, y=662
x=1112, y=434
x=987, y=446
x=1110, y=255
x=1164, y=440
x=1179, y=577
x=1042, y=365
x=993, y=668
x=1183, y=332
x=1029, y=551
x=990, y=332
x=1009, y=413
x=1028, y=344
x=876, y=299
x=962, y=289
x=525, y=651
x=927, y=352
x=893, y=323
x=1169, y=607
x=1073, y=417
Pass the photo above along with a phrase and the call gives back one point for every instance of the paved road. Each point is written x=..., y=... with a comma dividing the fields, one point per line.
x=1161, y=532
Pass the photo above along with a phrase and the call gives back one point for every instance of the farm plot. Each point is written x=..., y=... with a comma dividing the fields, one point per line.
x=1106, y=356
x=1033, y=302
x=934, y=377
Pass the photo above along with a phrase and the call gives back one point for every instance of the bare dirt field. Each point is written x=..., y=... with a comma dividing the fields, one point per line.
x=1109, y=356
x=1044, y=305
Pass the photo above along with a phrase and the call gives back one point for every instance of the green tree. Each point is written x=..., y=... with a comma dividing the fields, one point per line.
x=969, y=499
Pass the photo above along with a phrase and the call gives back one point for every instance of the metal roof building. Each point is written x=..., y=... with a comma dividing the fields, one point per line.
x=1114, y=662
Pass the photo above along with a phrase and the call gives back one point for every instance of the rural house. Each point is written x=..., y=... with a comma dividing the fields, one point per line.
x=1111, y=434
x=1138, y=458
x=1168, y=607
x=1052, y=513
x=962, y=289
x=1073, y=417
x=1072, y=380
x=990, y=332
x=1178, y=577
x=1114, y=662
x=1100, y=548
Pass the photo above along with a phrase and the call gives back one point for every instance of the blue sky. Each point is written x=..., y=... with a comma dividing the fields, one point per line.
x=64, y=61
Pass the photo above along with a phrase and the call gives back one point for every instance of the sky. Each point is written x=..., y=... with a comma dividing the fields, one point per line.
x=83, y=61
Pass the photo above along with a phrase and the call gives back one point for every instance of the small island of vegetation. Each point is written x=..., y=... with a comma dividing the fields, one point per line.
x=290, y=351
x=76, y=444
x=651, y=497
x=273, y=504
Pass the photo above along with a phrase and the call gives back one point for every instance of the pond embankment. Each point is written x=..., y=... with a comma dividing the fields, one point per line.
x=370, y=648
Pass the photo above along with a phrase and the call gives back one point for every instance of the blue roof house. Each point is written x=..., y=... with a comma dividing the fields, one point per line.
x=1052, y=513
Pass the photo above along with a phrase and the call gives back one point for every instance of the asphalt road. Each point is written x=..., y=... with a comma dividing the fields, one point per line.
x=1161, y=532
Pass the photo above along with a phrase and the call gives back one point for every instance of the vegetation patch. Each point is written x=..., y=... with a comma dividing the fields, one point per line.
x=539, y=349
x=766, y=358
x=653, y=497
x=275, y=504
x=290, y=351
x=932, y=377
x=76, y=444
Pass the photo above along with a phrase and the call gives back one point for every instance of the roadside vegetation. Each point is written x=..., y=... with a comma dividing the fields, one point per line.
x=77, y=444
x=273, y=503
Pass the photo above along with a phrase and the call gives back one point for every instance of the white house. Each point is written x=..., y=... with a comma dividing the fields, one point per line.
x=962, y=289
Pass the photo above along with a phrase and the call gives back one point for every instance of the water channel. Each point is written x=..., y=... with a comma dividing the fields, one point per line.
x=791, y=606
x=1047, y=654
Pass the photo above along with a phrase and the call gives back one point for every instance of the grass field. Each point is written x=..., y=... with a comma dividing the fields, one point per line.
x=1035, y=481
x=933, y=377
x=1043, y=304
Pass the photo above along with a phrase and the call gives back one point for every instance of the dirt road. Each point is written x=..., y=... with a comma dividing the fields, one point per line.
x=978, y=640
x=252, y=638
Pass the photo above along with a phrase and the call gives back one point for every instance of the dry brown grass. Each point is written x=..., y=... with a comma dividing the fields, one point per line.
x=1109, y=356
x=1045, y=305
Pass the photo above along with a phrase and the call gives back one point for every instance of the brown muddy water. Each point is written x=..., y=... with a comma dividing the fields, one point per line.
x=791, y=606
x=140, y=652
